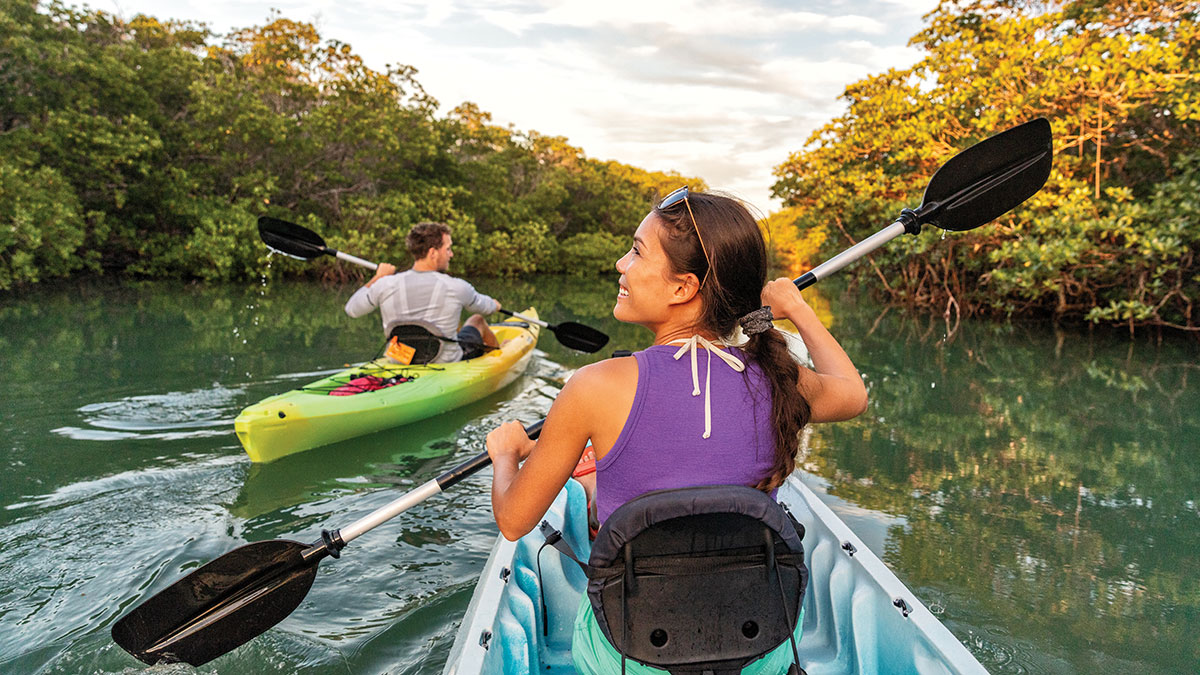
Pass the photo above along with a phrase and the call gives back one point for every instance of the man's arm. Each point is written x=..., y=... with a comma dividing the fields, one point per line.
x=474, y=301
x=363, y=301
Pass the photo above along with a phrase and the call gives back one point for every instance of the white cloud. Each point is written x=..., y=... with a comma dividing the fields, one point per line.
x=722, y=89
x=713, y=17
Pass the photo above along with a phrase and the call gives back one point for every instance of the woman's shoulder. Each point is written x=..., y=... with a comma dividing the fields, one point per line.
x=607, y=374
x=596, y=400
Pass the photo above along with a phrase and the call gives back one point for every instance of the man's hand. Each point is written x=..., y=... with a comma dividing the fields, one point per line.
x=384, y=269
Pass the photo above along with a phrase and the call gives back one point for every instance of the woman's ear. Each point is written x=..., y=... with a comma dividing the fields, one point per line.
x=684, y=288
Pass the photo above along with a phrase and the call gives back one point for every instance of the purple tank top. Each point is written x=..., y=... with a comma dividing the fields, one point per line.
x=661, y=445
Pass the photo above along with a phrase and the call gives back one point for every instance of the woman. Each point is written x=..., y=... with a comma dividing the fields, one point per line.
x=696, y=271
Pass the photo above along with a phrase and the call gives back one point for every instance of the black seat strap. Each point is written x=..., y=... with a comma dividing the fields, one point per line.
x=553, y=538
x=787, y=613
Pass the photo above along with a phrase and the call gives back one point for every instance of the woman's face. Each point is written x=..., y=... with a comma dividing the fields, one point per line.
x=646, y=287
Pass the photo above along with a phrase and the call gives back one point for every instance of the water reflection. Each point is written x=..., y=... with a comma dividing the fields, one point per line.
x=1038, y=488
x=1047, y=480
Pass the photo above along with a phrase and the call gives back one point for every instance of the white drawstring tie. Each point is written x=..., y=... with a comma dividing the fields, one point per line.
x=691, y=345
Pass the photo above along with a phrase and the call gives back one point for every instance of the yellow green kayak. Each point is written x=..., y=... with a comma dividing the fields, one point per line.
x=333, y=409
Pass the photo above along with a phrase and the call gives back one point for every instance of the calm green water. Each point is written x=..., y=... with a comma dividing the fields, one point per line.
x=1038, y=489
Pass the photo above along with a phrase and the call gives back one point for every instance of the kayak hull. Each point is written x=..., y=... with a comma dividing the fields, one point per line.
x=309, y=417
x=851, y=622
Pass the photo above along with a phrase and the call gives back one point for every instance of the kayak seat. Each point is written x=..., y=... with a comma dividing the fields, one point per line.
x=697, y=580
x=425, y=343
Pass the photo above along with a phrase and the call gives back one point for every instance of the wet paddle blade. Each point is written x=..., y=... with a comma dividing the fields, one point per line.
x=290, y=239
x=580, y=337
x=220, y=606
x=990, y=178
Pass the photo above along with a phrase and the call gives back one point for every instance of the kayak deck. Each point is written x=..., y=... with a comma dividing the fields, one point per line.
x=311, y=417
x=851, y=622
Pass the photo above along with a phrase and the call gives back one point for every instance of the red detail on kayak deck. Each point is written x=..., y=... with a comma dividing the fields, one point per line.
x=364, y=384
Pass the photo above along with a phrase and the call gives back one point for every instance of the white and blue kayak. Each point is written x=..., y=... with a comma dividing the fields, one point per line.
x=858, y=617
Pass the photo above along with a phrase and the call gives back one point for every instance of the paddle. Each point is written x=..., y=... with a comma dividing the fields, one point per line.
x=977, y=185
x=239, y=595
x=234, y=598
x=302, y=243
x=571, y=334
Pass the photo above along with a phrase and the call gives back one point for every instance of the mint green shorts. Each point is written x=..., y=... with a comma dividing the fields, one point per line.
x=593, y=655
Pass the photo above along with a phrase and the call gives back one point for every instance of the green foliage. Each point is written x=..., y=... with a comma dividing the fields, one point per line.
x=161, y=143
x=1111, y=238
x=591, y=253
x=40, y=226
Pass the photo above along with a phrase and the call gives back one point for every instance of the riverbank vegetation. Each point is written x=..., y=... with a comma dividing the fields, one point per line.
x=1114, y=237
x=148, y=148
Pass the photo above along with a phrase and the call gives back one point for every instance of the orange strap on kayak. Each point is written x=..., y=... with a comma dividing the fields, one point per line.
x=400, y=352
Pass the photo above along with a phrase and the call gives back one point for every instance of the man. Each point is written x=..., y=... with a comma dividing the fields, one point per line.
x=427, y=296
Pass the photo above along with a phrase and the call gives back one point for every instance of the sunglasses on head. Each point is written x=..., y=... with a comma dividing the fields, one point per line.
x=681, y=195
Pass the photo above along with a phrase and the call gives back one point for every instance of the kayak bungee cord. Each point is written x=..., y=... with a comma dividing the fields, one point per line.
x=375, y=368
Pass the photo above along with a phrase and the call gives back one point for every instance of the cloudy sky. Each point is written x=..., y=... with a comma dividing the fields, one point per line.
x=721, y=89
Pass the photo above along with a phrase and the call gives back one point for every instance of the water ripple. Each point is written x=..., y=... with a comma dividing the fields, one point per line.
x=84, y=490
x=172, y=416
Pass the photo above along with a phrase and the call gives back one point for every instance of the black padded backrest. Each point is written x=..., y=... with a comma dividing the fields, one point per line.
x=698, y=579
x=420, y=338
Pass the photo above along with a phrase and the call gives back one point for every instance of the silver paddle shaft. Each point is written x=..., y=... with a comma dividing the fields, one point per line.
x=355, y=259
x=391, y=510
x=413, y=497
x=851, y=254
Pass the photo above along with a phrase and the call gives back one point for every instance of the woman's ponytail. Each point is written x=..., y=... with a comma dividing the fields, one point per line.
x=731, y=283
x=789, y=410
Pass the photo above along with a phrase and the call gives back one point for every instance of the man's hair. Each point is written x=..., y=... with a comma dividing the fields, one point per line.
x=424, y=236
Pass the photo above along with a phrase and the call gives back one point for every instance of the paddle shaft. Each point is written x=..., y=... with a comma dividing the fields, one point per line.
x=420, y=494
x=351, y=258
x=522, y=317
x=907, y=222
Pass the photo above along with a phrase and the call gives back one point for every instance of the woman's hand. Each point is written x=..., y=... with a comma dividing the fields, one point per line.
x=509, y=441
x=833, y=387
x=784, y=299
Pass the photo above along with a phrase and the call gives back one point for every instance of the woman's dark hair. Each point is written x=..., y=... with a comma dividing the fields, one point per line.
x=425, y=236
x=732, y=290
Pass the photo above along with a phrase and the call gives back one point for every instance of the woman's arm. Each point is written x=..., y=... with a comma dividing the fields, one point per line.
x=833, y=387
x=521, y=493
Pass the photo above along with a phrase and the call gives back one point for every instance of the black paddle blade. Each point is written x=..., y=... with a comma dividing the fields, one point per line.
x=580, y=337
x=290, y=239
x=990, y=178
x=220, y=606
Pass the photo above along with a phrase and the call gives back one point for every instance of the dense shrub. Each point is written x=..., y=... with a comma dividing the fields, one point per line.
x=1112, y=238
x=150, y=148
